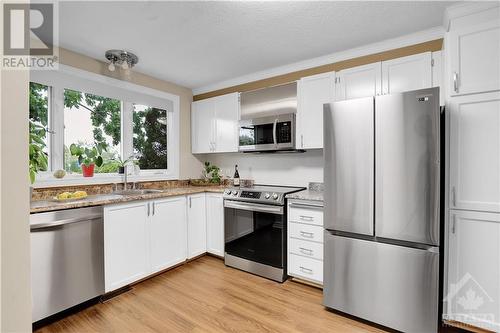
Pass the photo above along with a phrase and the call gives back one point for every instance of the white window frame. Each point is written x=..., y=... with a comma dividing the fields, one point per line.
x=68, y=77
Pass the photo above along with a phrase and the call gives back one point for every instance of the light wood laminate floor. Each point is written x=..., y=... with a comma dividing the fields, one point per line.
x=206, y=296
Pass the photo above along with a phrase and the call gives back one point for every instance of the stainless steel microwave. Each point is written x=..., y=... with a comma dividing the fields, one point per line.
x=270, y=133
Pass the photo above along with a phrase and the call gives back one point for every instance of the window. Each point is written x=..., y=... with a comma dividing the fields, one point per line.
x=90, y=120
x=39, y=123
x=150, y=137
x=86, y=109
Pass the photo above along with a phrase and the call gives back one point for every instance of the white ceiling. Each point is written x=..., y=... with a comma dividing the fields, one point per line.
x=195, y=44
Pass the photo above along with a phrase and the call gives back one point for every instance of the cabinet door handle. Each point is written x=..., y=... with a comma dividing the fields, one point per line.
x=454, y=224
x=153, y=208
x=306, y=234
x=306, y=218
x=189, y=202
x=309, y=252
x=306, y=270
x=453, y=196
x=148, y=208
x=455, y=81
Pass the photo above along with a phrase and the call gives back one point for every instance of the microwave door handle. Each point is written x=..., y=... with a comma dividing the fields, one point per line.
x=274, y=131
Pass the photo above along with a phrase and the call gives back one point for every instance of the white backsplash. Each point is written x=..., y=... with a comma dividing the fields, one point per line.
x=295, y=169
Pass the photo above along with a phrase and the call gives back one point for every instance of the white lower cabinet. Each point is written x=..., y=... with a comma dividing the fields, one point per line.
x=168, y=233
x=305, y=240
x=473, y=289
x=196, y=225
x=215, y=224
x=126, y=238
x=145, y=237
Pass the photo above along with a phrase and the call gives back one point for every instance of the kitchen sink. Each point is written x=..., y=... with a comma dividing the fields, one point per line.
x=136, y=192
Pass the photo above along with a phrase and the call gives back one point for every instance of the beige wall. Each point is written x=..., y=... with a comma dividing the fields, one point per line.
x=14, y=203
x=190, y=166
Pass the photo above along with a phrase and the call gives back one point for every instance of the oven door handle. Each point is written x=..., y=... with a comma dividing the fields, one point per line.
x=254, y=207
x=275, y=124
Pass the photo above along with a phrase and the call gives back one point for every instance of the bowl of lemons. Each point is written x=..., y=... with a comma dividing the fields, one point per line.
x=71, y=196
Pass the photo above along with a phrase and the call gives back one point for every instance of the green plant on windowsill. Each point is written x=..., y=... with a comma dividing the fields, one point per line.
x=123, y=163
x=88, y=157
x=38, y=159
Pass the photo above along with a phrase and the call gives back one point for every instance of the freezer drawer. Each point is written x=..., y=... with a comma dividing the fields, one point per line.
x=349, y=165
x=407, y=166
x=387, y=284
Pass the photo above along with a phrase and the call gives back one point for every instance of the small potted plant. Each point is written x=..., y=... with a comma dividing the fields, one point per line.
x=88, y=157
x=123, y=163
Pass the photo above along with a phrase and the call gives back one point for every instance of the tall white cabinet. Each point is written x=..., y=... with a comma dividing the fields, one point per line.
x=475, y=152
x=474, y=53
x=474, y=269
x=472, y=277
x=214, y=124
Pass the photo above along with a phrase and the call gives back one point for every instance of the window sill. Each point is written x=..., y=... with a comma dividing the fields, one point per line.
x=48, y=180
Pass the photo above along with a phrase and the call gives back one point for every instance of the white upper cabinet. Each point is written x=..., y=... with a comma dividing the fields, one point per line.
x=313, y=92
x=168, y=233
x=227, y=114
x=361, y=81
x=475, y=152
x=202, y=126
x=474, y=53
x=215, y=224
x=196, y=225
x=473, y=294
x=126, y=235
x=407, y=73
x=214, y=124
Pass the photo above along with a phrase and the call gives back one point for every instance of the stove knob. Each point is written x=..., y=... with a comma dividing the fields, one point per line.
x=267, y=195
x=228, y=192
x=275, y=196
x=235, y=193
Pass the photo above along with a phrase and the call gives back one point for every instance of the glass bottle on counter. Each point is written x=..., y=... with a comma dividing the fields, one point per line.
x=236, y=178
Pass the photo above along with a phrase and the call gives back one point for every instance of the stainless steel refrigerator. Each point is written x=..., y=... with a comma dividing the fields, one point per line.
x=381, y=209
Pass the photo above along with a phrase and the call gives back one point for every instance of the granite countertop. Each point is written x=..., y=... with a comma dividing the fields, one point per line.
x=106, y=199
x=313, y=193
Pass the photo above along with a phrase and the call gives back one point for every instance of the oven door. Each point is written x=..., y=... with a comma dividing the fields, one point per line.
x=267, y=133
x=255, y=232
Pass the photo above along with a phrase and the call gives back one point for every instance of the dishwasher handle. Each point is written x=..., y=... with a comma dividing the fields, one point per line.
x=58, y=223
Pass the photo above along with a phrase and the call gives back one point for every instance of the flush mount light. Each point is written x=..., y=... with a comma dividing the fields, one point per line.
x=124, y=59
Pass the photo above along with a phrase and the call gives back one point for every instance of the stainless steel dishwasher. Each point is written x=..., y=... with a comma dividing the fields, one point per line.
x=67, y=259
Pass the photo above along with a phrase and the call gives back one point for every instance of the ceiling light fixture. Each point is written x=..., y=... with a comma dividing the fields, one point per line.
x=124, y=59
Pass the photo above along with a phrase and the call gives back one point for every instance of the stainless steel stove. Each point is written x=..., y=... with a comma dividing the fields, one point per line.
x=255, y=229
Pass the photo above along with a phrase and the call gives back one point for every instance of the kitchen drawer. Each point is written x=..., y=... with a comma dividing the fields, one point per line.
x=305, y=248
x=308, y=232
x=305, y=214
x=306, y=268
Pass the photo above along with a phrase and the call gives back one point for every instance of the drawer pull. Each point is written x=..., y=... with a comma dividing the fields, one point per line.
x=309, y=252
x=306, y=270
x=307, y=234
x=306, y=218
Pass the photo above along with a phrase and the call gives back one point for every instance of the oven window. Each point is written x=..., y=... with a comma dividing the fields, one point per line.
x=255, y=236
